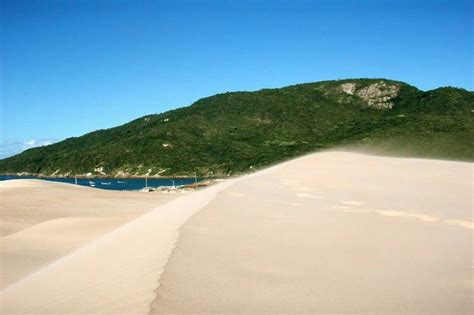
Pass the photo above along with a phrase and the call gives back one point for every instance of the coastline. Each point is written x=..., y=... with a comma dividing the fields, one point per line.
x=328, y=232
x=112, y=267
x=83, y=176
x=41, y=221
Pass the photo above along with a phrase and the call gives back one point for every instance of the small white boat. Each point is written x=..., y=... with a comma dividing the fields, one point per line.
x=105, y=183
x=121, y=182
x=91, y=183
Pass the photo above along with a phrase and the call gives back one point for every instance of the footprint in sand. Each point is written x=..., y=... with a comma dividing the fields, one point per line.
x=424, y=217
x=347, y=207
x=403, y=214
x=461, y=223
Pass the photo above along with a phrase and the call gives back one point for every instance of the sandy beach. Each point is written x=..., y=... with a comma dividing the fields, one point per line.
x=41, y=221
x=332, y=232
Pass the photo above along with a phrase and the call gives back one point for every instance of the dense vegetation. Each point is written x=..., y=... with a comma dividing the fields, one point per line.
x=236, y=132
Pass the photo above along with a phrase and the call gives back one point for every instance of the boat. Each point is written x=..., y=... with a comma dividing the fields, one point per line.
x=105, y=183
x=91, y=183
x=121, y=182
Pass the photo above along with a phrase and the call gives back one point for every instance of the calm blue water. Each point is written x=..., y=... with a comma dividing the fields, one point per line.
x=114, y=183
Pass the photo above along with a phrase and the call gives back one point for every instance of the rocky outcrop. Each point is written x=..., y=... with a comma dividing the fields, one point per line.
x=99, y=171
x=348, y=88
x=377, y=95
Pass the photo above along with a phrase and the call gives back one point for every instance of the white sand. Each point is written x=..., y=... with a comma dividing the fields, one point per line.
x=117, y=273
x=332, y=232
x=42, y=221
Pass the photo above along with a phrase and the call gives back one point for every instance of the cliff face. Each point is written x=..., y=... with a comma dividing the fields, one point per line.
x=378, y=95
x=241, y=131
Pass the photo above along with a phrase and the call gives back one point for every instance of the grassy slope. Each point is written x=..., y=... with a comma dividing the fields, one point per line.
x=234, y=132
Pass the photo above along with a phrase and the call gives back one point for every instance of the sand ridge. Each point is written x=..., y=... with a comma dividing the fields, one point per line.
x=332, y=232
x=378, y=238
x=41, y=221
x=117, y=273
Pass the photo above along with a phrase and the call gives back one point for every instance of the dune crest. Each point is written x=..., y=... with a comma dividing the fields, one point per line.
x=340, y=233
x=115, y=274
x=42, y=221
x=331, y=232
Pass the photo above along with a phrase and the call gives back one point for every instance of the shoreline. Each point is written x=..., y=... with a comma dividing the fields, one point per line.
x=157, y=232
x=332, y=227
x=42, y=221
x=357, y=148
x=180, y=188
x=39, y=176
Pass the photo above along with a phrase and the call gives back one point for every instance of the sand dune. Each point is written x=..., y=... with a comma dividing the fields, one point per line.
x=42, y=221
x=28, y=202
x=115, y=274
x=329, y=233
x=333, y=232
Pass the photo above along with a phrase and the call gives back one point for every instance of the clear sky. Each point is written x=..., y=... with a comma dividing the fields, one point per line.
x=71, y=67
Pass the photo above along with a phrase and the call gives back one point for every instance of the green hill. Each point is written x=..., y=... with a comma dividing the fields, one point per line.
x=236, y=132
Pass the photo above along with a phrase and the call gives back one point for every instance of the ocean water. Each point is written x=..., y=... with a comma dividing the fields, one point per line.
x=114, y=183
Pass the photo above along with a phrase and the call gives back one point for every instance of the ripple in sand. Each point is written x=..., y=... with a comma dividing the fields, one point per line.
x=419, y=216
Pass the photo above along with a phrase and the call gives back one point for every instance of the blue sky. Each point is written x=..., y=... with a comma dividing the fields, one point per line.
x=71, y=67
